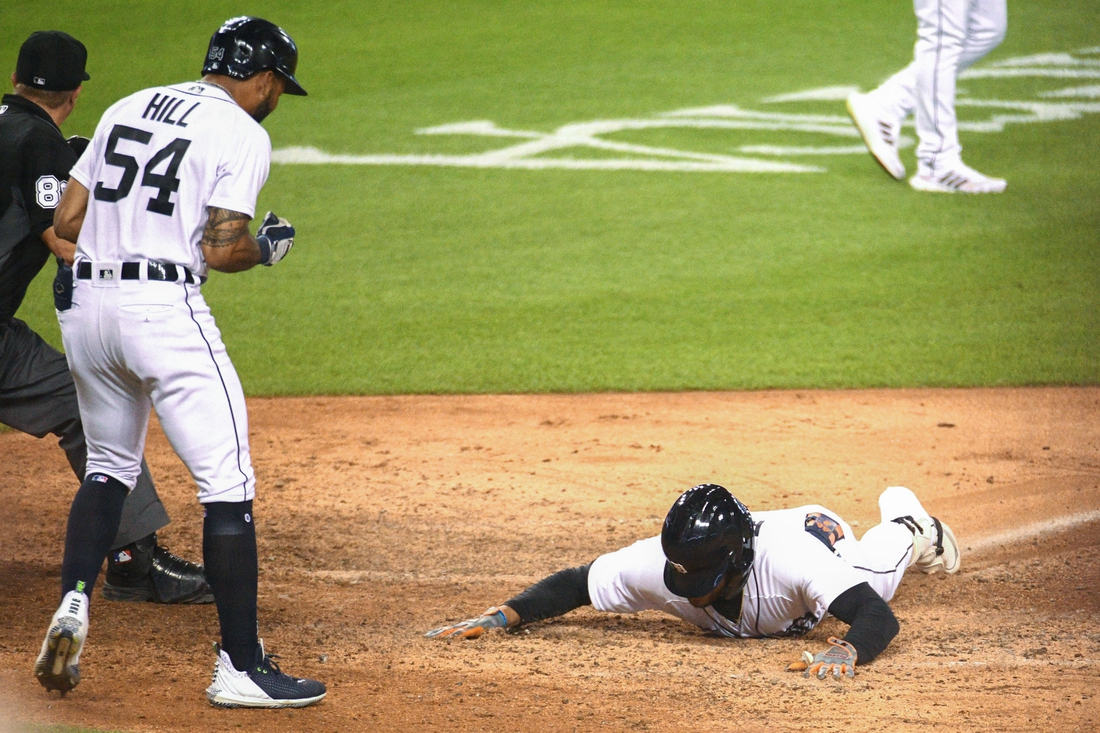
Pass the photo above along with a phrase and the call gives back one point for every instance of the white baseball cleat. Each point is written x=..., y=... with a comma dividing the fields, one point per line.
x=956, y=178
x=934, y=545
x=880, y=132
x=262, y=685
x=58, y=664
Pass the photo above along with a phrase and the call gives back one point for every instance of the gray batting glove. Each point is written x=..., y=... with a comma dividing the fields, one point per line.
x=493, y=618
x=275, y=237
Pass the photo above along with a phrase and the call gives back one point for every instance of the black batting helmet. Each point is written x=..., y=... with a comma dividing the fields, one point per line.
x=245, y=46
x=709, y=540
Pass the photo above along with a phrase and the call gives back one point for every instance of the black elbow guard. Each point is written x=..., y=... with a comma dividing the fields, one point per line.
x=553, y=596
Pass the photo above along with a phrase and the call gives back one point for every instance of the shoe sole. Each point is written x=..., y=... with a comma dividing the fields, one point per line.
x=951, y=546
x=949, y=539
x=223, y=701
x=921, y=184
x=53, y=670
x=867, y=140
x=139, y=595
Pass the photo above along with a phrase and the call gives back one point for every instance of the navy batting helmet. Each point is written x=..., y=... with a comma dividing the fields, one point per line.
x=709, y=541
x=245, y=46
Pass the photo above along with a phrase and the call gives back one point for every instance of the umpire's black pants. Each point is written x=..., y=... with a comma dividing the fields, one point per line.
x=37, y=396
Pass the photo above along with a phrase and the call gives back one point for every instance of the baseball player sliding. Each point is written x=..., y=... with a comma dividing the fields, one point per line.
x=951, y=36
x=742, y=575
x=165, y=192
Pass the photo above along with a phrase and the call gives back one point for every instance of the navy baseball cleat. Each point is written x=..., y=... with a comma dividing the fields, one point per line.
x=262, y=685
x=58, y=664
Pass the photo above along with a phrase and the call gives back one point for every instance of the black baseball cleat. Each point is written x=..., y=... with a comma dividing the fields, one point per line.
x=262, y=685
x=145, y=571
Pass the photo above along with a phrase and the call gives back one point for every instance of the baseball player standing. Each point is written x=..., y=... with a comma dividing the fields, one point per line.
x=37, y=395
x=951, y=36
x=742, y=575
x=166, y=191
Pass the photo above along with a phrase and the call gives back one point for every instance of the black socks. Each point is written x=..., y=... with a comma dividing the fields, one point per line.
x=229, y=554
x=93, y=524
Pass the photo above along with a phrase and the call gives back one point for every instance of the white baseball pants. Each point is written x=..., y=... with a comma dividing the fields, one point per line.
x=133, y=345
x=952, y=35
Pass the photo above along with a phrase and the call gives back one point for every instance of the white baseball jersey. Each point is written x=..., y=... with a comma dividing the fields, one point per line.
x=794, y=579
x=146, y=147
x=159, y=158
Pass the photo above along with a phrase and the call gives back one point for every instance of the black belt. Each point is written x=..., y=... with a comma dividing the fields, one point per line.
x=132, y=271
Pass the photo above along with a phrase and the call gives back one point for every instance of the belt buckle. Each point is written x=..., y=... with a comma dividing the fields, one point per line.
x=106, y=274
x=156, y=270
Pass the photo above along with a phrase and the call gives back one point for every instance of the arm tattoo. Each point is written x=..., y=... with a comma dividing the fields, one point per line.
x=224, y=227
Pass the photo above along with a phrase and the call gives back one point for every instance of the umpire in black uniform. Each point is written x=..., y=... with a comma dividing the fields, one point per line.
x=37, y=394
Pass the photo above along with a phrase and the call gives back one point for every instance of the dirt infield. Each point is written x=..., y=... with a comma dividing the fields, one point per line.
x=379, y=518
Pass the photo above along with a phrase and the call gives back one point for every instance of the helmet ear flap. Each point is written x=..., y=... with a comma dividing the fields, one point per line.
x=737, y=575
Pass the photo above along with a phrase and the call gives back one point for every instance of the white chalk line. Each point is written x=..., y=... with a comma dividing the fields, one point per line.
x=313, y=156
x=1030, y=531
x=1086, y=92
x=358, y=576
x=531, y=153
x=976, y=545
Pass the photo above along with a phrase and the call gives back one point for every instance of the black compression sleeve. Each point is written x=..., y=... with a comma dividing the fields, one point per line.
x=552, y=596
x=872, y=623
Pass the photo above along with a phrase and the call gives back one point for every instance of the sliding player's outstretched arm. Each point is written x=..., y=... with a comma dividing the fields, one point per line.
x=552, y=596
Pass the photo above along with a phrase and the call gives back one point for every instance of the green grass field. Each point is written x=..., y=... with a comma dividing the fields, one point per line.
x=428, y=279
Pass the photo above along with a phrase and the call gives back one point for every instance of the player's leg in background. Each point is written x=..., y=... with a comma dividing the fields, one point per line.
x=881, y=556
x=941, y=35
x=199, y=400
x=986, y=27
x=115, y=413
x=934, y=544
x=878, y=116
x=171, y=340
x=897, y=96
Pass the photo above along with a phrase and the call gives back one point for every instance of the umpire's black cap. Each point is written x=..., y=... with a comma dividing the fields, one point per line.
x=52, y=61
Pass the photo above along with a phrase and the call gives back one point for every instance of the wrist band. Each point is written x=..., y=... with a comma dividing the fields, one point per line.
x=265, y=249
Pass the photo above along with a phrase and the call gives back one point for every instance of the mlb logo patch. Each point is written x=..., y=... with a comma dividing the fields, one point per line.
x=100, y=478
x=39, y=81
x=123, y=556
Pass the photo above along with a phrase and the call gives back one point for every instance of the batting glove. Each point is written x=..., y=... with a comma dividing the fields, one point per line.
x=275, y=237
x=493, y=618
x=839, y=659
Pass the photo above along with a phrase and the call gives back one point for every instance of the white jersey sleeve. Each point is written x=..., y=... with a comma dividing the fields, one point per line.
x=159, y=159
x=242, y=175
x=632, y=579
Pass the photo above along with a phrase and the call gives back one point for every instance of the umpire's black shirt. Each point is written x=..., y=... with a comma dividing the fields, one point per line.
x=34, y=163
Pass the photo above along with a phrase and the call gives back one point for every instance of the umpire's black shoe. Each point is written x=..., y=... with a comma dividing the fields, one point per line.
x=145, y=571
